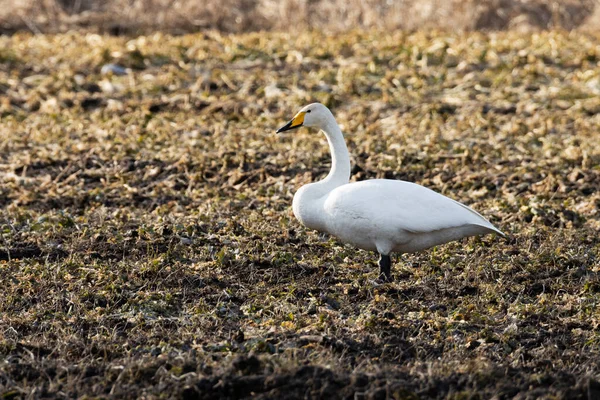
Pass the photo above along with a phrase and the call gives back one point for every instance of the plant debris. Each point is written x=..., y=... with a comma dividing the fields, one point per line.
x=148, y=245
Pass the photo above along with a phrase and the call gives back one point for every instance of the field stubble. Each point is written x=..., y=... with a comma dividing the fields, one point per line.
x=148, y=245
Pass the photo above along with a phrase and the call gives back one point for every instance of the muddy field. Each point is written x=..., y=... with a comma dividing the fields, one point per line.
x=149, y=250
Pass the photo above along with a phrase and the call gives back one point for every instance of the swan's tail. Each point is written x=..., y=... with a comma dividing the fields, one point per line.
x=482, y=221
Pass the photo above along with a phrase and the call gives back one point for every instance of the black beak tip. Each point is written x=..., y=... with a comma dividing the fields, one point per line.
x=286, y=127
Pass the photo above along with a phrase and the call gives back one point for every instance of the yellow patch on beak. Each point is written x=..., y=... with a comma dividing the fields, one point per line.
x=296, y=122
x=298, y=119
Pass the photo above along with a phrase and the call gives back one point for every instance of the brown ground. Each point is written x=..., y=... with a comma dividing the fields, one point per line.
x=148, y=248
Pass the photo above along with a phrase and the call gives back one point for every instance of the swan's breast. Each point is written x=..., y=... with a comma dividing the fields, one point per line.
x=308, y=208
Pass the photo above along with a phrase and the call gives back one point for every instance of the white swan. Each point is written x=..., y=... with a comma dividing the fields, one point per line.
x=380, y=214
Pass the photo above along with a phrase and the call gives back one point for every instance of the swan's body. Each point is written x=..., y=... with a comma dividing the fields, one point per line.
x=388, y=216
x=380, y=215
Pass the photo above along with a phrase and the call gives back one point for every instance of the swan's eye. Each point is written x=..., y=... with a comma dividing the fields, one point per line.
x=307, y=111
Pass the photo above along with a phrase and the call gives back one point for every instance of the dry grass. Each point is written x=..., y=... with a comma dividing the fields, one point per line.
x=251, y=15
x=147, y=246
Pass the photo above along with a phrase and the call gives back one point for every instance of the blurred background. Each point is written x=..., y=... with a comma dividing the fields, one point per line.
x=182, y=16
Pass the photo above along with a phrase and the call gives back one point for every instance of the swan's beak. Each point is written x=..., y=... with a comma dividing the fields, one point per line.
x=296, y=122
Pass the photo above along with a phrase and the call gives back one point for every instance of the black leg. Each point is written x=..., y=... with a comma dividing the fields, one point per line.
x=385, y=266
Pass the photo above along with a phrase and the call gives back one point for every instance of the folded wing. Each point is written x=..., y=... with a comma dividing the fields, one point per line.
x=391, y=205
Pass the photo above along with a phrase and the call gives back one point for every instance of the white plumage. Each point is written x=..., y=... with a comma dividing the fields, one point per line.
x=380, y=215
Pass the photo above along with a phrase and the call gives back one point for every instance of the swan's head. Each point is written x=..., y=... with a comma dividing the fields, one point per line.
x=313, y=115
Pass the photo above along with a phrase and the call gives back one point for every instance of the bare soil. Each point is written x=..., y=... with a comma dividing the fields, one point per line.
x=148, y=248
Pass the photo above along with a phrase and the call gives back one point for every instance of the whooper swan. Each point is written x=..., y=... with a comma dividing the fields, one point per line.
x=380, y=215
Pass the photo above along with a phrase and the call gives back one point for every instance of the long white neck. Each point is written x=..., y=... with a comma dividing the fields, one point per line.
x=340, y=159
x=309, y=199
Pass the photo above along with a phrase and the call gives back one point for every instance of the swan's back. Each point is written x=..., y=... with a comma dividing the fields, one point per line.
x=389, y=215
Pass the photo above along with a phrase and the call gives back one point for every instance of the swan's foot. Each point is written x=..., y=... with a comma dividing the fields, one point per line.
x=385, y=266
